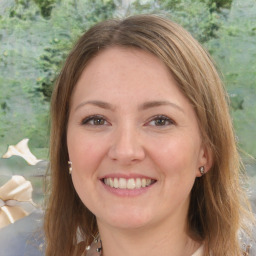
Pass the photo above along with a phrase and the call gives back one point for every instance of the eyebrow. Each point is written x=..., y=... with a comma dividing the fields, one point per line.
x=144, y=106
x=100, y=104
x=152, y=104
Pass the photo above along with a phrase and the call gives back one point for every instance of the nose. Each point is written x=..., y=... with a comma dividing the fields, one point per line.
x=126, y=147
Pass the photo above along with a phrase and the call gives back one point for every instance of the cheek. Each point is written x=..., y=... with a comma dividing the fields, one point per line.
x=176, y=154
x=177, y=162
x=84, y=151
x=86, y=155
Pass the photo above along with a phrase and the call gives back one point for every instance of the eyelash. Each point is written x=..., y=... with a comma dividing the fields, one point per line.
x=163, y=119
x=93, y=118
x=98, y=118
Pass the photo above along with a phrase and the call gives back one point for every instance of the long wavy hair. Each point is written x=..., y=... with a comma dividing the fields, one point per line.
x=218, y=205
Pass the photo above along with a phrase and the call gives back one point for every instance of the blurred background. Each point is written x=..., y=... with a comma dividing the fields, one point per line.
x=36, y=36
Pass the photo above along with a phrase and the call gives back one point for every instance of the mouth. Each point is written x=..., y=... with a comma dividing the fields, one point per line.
x=131, y=183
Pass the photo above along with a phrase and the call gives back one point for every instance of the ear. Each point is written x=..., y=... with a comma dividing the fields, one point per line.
x=205, y=159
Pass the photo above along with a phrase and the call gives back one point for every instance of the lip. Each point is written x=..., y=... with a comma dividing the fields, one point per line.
x=126, y=192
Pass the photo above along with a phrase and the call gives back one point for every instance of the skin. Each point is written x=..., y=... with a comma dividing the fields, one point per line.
x=131, y=92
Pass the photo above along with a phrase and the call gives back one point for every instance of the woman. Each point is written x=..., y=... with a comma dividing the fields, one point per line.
x=143, y=154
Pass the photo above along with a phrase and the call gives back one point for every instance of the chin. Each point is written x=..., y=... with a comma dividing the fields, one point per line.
x=127, y=219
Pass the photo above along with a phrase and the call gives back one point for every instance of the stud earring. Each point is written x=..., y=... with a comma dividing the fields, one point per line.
x=70, y=167
x=201, y=169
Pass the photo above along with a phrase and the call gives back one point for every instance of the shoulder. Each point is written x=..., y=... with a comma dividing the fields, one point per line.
x=248, y=242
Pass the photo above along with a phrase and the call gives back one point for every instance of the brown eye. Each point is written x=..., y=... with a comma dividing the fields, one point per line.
x=94, y=120
x=161, y=121
x=98, y=121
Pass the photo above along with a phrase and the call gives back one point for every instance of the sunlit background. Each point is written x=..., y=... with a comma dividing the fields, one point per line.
x=35, y=37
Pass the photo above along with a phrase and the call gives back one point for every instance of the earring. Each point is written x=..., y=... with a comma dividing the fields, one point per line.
x=201, y=169
x=98, y=248
x=70, y=167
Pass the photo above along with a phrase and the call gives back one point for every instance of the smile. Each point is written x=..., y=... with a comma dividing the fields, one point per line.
x=122, y=183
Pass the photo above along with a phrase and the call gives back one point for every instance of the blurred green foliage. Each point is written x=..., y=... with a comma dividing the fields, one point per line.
x=201, y=18
x=23, y=10
x=36, y=36
x=234, y=50
x=50, y=62
x=218, y=3
x=71, y=20
x=46, y=7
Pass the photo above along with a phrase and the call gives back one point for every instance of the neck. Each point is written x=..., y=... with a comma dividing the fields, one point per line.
x=147, y=242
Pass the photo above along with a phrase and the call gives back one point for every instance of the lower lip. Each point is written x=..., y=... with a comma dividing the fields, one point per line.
x=127, y=192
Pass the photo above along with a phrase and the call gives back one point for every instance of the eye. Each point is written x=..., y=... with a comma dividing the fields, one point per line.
x=96, y=120
x=160, y=121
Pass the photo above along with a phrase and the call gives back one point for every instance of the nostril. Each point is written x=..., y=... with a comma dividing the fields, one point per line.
x=126, y=155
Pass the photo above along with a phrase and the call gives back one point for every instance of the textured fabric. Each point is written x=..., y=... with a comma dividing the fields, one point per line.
x=24, y=237
x=15, y=200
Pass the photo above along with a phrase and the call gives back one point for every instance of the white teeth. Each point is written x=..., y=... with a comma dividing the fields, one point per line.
x=143, y=183
x=131, y=184
x=123, y=183
x=116, y=183
x=111, y=183
x=148, y=182
x=138, y=183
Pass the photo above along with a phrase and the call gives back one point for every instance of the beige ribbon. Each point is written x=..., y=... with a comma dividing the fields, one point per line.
x=15, y=200
x=21, y=149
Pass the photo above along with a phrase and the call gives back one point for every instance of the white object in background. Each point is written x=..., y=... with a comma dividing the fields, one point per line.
x=22, y=150
x=15, y=200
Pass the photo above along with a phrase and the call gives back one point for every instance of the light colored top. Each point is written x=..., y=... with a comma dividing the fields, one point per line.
x=199, y=252
x=93, y=252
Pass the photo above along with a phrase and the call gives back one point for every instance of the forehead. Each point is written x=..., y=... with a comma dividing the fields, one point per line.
x=124, y=68
x=125, y=57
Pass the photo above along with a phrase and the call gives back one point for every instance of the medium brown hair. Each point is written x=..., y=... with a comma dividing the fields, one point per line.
x=218, y=203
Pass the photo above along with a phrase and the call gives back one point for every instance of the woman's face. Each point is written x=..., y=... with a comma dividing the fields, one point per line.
x=134, y=141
